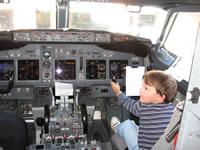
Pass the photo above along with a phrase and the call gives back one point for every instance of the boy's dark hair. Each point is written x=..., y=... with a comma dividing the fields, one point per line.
x=164, y=84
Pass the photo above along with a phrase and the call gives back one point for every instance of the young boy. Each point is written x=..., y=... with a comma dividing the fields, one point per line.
x=154, y=109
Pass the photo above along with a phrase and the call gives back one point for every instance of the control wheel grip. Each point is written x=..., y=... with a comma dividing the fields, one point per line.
x=46, y=119
x=84, y=118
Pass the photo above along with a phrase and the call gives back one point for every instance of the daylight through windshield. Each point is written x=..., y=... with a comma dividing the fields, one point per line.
x=115, y=18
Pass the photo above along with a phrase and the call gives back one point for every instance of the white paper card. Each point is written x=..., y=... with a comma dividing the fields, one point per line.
x=134, y=80
x=63, y=89
x=97, y=115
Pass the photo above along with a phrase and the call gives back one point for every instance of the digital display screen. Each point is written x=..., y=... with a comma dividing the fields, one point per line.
x=28, y=69
x=118, y=68
x=95, y=69
x=4, y=68
x=65, y=69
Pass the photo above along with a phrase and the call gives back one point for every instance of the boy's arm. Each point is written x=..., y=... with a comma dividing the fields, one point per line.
x=116, y=88
x=130, y=104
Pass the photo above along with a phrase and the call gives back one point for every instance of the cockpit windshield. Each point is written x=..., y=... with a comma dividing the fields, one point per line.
x=46, y=14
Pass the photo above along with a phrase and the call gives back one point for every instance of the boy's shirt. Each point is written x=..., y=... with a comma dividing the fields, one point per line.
x=154, y=119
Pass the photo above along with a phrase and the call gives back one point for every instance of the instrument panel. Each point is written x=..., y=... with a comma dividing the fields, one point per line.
x=47, y=63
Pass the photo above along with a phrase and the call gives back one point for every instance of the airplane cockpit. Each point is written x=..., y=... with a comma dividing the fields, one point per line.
x=58, y=57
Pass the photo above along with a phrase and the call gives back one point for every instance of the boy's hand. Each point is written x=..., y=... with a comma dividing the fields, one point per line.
x=116, y=88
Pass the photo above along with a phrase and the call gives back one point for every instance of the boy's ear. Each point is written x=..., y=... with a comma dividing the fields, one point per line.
x=162, y=98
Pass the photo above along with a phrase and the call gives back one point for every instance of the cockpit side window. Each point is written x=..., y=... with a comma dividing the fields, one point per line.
x=181, y=41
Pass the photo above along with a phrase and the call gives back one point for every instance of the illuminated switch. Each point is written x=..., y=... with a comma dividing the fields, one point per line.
x=64, y=137
x=53, y=138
